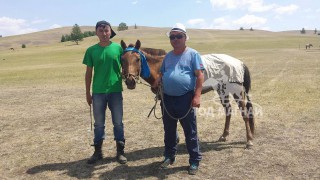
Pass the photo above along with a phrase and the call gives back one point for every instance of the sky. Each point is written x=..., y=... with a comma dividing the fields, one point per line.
x=26, y=16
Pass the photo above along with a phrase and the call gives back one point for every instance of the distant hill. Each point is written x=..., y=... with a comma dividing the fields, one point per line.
x=38, y=38
x=154, y=34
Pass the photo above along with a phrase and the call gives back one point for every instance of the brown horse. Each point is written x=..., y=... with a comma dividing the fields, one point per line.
x=132, y=60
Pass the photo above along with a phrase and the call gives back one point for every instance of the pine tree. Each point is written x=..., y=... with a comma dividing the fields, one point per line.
x=63, y=38
x=76, y=34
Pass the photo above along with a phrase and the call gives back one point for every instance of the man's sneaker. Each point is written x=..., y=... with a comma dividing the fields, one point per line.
x=166, y=162
x=193, y=169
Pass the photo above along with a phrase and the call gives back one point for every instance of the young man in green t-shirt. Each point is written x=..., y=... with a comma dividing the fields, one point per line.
x=103, y=59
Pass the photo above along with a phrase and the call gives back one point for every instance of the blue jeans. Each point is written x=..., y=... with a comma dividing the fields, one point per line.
x=114, y=102
x=178, y=106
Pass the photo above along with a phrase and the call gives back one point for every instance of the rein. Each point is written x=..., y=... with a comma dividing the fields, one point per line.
x=145, y=73
x=160, y=93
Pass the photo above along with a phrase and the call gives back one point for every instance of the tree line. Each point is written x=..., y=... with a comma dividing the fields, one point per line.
x=76, y=35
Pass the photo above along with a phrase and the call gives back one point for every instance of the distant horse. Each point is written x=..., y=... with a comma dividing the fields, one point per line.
x=216, y=78
x=308, y=46
x=12, y=49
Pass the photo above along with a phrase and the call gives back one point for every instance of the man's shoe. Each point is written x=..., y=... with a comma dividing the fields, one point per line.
x=166, y=162
x=193, y=169
x=121, y=158
x=97, y=155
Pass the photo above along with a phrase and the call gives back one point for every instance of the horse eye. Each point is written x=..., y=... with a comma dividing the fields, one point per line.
x=138, y=59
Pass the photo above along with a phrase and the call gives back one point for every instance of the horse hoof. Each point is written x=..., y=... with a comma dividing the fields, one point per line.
x=249, y=145
x=222, y=139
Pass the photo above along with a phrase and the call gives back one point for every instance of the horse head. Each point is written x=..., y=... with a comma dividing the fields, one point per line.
x=140, y=62
x=131, y=63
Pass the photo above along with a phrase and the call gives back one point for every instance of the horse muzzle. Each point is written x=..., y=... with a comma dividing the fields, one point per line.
x=130, y=81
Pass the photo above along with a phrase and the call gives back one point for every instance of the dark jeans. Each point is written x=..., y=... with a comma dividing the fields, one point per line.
x=178, y=106
x=115, y=104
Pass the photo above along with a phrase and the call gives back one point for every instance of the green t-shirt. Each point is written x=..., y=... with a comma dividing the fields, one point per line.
x=106, y=67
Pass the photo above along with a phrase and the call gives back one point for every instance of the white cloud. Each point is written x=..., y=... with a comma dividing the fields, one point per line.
x=250, y=20
x=222, y=23
x=220, y=20
x=11, y=26
x=259, y=6
x=198, y=1
x=55, y=26
x=134, y=2
x=228, y=22
x=196, y=21
x=199, y=23
x=228, y=4
x=38, y=21
x=290, y=9
x=253, y=6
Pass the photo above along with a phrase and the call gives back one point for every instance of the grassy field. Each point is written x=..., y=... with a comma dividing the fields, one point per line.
x=45, y=123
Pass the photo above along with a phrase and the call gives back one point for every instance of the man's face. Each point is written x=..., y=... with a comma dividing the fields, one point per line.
x=177, y=39
x=103, y=32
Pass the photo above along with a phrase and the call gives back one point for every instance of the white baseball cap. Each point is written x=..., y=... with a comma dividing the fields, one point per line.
x=179, y=28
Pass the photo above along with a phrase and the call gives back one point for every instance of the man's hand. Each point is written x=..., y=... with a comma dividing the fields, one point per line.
x=89, y=99
x=196, y=101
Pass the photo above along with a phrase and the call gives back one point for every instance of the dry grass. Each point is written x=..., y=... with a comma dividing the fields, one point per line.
x=45, y=120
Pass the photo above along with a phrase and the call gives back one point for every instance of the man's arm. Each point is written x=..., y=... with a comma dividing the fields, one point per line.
x=88, y=79
x=198, y=88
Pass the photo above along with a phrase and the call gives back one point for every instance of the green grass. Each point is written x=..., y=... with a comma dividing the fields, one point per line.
x=53, y=61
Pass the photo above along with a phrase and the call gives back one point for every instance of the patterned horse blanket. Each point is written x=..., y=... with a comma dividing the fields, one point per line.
x=223, y=67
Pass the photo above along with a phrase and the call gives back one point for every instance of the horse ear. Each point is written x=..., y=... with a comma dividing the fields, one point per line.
x=123, y=45
x=138, y=44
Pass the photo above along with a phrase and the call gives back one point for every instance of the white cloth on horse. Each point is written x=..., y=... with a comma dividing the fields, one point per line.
x=218, y=65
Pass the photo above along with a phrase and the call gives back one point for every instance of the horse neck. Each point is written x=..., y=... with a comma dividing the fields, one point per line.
x=154, y=63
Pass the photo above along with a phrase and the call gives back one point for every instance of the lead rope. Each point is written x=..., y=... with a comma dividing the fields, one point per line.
x=155, y=105
x=160, y=92
x=91, y=117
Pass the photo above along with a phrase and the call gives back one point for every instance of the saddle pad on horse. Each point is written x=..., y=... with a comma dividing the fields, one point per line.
x=219, y=65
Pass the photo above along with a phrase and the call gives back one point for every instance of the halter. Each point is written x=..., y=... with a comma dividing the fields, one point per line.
x=145, y=70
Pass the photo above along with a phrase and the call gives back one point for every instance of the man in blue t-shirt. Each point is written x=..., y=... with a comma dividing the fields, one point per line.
x=181, y=78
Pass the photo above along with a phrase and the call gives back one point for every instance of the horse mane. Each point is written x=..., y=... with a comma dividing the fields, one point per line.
x=154, y=52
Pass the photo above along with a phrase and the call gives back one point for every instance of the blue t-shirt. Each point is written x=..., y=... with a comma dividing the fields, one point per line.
x=178, y=72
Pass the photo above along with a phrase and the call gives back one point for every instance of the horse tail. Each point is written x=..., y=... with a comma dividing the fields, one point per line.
x=246, y=79
x=247, y=86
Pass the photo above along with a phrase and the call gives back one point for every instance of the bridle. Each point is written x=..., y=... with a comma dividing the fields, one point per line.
x=144, y=68
x=128, y=75
x=145, y=72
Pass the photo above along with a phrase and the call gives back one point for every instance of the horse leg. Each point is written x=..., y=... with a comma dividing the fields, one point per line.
x=227, y=107
x=250, y=115
x=241, y=104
